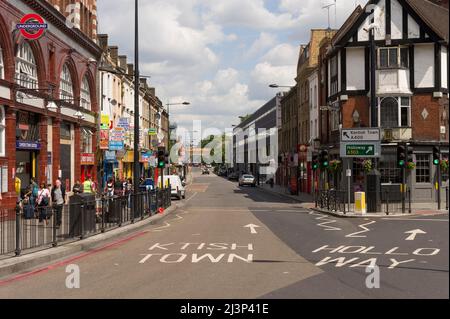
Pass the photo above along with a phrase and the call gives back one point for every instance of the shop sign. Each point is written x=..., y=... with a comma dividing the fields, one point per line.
x=104, y=139
x=87, y=159
x=117, y=134
x=32, y=26
x=152, y=131
x=124, y=123
x=110, y=156
x=27, y=145
x=116, y=145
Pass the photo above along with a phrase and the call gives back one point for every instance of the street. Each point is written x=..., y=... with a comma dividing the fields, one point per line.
x=236, y=242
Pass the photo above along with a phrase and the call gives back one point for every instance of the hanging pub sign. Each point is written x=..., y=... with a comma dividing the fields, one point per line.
x=124, y=123
x=87, y=159
x=104, y=139
x=104, y=124
x=32, y=26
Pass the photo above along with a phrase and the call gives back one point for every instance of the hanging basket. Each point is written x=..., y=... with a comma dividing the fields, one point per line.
x=410, y=166
x=367, y=165
x=335, y=166
x=444, y=165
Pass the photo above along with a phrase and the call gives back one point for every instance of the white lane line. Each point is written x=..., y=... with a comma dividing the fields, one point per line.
x=365, y=230
x=191, y=197
x=418, y=219
x=327, y=221
x=167, y=225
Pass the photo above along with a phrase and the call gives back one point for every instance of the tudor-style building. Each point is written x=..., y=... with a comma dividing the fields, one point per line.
x=411, y=81
x=48, y=101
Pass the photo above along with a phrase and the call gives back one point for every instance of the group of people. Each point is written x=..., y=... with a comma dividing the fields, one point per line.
x=40, y=200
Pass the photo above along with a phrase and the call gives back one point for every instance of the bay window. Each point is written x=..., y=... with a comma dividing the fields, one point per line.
x=393, y=57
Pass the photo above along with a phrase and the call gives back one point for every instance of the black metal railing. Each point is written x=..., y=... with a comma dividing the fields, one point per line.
x=27, y=228
x=338, y=201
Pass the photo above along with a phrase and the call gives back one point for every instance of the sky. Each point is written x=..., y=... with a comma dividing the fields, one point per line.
x=219, y=55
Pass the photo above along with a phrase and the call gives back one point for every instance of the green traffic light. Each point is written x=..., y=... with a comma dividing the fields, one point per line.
x=436, y=162
x=325, y=164
x=401, y=163
x=161, y=164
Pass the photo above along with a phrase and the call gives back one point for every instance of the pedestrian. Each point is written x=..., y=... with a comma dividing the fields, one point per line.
x=77, y=188
x=109, y=188
x=33, y=189
x=88, y=186
x=59, y=199
x=43, y=201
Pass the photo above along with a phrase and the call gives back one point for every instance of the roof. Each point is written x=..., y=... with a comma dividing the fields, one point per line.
x=351, y=20
x=263, y=109
x=432, y=14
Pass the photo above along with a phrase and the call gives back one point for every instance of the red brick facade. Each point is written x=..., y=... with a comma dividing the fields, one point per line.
x=50, y=53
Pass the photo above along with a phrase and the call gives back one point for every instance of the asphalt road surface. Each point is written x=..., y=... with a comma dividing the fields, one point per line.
x=204, y=250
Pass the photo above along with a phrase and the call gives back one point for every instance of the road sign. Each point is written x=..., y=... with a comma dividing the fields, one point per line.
x=364, y=150
x=360, y=135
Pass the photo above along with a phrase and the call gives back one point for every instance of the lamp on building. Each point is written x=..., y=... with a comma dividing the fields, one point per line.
x=51, y=106
x=356, y=118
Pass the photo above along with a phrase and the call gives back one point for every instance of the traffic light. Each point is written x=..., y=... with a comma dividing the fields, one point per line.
x=315, y=162
x=409, y=154
x=324, y=161
x=436, y=155
x=401, y=156
x=161, y=157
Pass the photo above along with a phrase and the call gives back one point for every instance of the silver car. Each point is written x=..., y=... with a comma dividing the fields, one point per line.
x=247, y=180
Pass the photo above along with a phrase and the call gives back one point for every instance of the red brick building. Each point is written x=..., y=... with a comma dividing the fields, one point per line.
x=411, y=89
x=48, y=100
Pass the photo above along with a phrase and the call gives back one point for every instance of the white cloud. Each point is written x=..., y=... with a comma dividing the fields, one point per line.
x=264, y=42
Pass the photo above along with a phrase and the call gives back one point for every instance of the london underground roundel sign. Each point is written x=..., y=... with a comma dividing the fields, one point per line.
x=32, y=26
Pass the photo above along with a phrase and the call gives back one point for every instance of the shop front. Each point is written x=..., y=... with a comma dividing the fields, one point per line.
x=28, y=148
x=87, y=163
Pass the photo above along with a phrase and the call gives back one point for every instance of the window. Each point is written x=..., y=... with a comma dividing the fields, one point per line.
x=26, y=69
x=85, y=94
x=395, y=112
x=334, y=75
x=2, y=131
x=2, y=67
x=390, y=172
x=86, y=140
x=66, y=86
x=389, y=112
x=65, y=131
x=423, y=168
x=393, y=57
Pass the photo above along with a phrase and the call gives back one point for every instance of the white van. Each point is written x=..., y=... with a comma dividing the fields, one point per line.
x=177, y=186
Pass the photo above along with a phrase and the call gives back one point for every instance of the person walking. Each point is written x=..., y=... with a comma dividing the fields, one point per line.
x=34, y=190
x=77, y=188
x=43, y=201
x=59, y=199
x=88, y=186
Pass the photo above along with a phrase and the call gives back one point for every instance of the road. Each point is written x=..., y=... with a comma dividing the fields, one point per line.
x=204, y=250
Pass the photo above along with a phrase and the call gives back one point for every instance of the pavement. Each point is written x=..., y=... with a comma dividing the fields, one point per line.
x=226, y=241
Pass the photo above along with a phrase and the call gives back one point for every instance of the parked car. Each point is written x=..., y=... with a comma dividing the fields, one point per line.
x=247, y=180
x=177, y=186
x=233, y=177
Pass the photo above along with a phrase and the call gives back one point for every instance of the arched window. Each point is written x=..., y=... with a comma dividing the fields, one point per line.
x=66, y=85
x=26, y=69
x=2, y=131
x=2, y=66
x=85, y=94
x=389, y=112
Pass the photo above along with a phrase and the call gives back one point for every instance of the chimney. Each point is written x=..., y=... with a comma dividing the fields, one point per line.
x=143, y=82
x=130, y=69
x=152, y=91
x=123, y=62
x=103, y=41
x=114, y=53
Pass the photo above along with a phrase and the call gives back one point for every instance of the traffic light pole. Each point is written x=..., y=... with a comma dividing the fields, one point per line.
x=403, y=189
x=438, y=184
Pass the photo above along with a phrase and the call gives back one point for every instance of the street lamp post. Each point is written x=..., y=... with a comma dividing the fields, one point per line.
x=136, y=108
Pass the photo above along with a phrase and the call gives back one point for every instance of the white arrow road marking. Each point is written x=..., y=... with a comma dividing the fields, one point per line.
x=167, y=225
x=414, y=233
x=252, y=228
x=327, y=221
x=365, y=230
